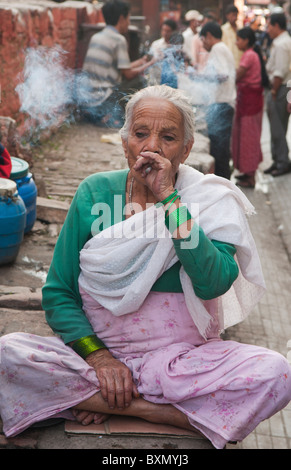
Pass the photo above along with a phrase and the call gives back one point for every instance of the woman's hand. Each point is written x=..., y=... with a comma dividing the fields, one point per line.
x=115, y=378
x=156, y=172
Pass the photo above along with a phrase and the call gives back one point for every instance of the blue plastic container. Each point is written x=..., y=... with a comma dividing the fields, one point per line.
x=26, y=189
x=12, y=221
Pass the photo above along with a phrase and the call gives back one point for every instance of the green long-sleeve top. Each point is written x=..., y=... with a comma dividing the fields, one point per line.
x=210, y=265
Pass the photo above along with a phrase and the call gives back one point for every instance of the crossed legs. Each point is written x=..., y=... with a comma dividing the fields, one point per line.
x=140, y=408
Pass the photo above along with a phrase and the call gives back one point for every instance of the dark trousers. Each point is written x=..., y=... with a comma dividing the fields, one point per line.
x=219, y=118
x=111, y=112
x=279, y=118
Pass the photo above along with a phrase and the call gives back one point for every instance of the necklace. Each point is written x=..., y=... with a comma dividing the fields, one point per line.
x=130, y=197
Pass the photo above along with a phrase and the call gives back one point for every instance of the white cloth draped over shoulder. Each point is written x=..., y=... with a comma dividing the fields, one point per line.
x=120, y=264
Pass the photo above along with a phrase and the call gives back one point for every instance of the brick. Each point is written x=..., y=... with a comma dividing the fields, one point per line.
x=276, y=424
x=250, y=442
x=29, y=25
x=51, y=210
x=264, y=442
x=28, y=300
x=287, y=420
x=280, y=443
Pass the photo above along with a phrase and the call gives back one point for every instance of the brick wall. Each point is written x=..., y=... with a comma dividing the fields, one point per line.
x=37, y=23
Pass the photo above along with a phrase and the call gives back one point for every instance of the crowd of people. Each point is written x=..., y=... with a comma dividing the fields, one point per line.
x=236, y=80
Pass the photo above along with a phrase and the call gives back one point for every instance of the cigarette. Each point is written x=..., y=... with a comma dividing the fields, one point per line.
x=148, y=170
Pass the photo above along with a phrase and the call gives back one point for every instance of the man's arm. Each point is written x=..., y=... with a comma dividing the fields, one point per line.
x=277, y=82
x=137, y=67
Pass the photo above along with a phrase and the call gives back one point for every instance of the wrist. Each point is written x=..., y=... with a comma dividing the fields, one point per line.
x=167, y=195
x=98, y=353
x=87, y=345
x=177, y=218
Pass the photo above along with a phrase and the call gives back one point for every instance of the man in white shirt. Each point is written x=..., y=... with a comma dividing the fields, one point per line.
x=194, y=18
x=220, y=75
x=278, y=68
x=200, y=54
x=159, y=45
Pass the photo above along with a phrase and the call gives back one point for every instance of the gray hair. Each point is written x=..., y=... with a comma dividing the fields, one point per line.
x=174, y=96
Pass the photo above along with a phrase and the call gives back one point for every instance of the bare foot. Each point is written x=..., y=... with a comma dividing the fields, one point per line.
x=87, y=417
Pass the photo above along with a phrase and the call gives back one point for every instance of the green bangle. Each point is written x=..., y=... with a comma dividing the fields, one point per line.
x=88, y=344
x=177, y=218
x=172, y=202
x=169, y=198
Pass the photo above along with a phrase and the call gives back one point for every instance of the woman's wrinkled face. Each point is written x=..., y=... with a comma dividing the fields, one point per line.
x=157, y=126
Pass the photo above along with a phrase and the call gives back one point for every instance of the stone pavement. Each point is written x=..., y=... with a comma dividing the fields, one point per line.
x=60, y=164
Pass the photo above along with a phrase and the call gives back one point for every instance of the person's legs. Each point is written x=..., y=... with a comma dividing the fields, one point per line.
x=110, y=113
x=225, y=388
x=219, y=119
x=278, y=119
x=246, y=180
x=139, y=408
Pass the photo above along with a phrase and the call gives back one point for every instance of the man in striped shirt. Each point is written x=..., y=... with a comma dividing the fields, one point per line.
x=107, y=62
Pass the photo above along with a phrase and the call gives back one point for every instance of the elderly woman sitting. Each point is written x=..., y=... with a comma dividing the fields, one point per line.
x=151, y=265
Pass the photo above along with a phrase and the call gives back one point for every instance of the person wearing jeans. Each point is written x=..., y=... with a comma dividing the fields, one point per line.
x=219, y=117
x=220, y=72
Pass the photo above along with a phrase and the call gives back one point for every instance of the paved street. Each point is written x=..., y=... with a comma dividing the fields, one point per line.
x=62, y=163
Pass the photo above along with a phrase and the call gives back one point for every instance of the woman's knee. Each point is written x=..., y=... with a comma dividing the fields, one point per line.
x=12, y=346
x=278, y=372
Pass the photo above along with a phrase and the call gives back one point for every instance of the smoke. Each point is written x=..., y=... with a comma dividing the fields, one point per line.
x=50, y=93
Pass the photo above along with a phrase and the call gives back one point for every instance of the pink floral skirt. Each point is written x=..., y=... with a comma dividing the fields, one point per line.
x=225, y=388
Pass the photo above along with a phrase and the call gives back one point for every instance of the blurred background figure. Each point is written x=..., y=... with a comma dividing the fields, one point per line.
x=175, y=61
x=106, y=63
x=278, y=68
x=194, y=19
x=229, y=30
x=159, y=45
x=220, y=112
x=275, y=7
x=247, y=127
x=199, y=53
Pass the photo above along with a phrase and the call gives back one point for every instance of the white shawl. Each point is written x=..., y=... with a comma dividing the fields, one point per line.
x=120, y=264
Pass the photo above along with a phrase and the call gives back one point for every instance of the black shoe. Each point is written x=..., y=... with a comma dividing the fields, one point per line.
x=247, y=182
x=270, y=169
x=242, y=177
x=280, y=172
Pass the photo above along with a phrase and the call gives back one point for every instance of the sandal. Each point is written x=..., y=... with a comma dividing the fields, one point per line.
x=246, y=183
x=241, y=177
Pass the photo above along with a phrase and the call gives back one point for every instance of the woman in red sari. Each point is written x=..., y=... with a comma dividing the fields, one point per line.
x=246, y=135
